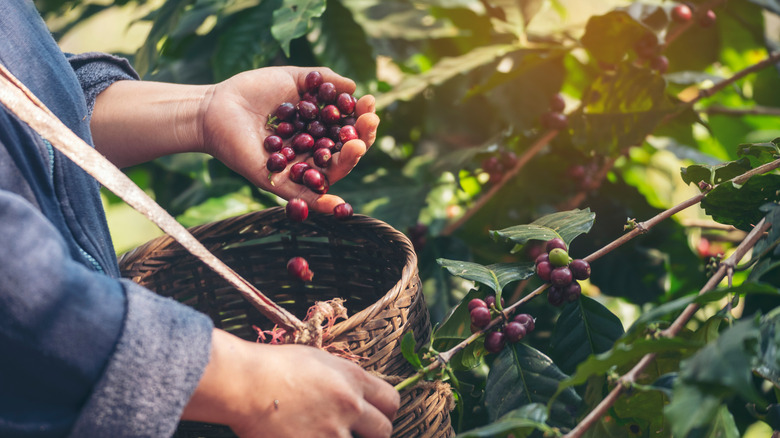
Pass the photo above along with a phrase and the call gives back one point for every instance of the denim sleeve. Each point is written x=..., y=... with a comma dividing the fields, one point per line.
x=84, y=354
x=96, y=71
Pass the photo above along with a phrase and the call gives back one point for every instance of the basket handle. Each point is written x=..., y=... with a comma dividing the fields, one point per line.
x=27, y=107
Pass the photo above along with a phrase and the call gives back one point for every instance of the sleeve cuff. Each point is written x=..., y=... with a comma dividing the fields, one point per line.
x=96, y=71
x=159, y=360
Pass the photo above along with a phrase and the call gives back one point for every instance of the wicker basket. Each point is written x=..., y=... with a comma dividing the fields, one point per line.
x=363, y=260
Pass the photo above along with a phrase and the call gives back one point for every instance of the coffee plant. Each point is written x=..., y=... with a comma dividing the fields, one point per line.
x=640, y=137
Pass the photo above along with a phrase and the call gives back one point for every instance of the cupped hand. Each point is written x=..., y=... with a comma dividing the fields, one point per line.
x=234, y=122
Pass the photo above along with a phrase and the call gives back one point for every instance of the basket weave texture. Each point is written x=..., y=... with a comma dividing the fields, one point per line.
x=362, y=260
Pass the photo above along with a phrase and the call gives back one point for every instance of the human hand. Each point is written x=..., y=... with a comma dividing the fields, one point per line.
x=285, y=391
x=235, y=113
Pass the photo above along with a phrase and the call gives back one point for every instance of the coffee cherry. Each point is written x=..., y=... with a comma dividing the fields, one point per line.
x=561, y=277
x=326, y=93
x=543, y=257
x=273, y=143
x=555, y=296
x=480, y=317
x=559, y=257
x=660, y=64
x=554, y=121
x=308, y=111
x=647, y=46
x=514, y=331
x=337, y=146
x=492, y=165
x=526, y=320
x=343, y=211
x=322, y=157
x=572, y=291
x=330, y=114
x=303, y=143
x=316, y=181
x=490, y=300
x=682, y=13
x=317, y=129
x=298, y=267
x=299, y=124
x=276, y=162
x=580, y=269
x=476, y=302
x=297, y=170
x=346, y=103
x=555, y=243
x=309, y=97
x=708, y=18
x=297, y=210
x=285, y=129
x=494, y=342
x=285, y=112
x=288, y=153
x=544, y=270
x=324, y=143
x=349, y=120
x=333, y=132
x=312, y=81
x=557, y=104
x=347, y=133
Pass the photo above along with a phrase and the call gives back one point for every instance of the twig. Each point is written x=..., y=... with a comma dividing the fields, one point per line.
x=707, y=224
x=773, y=58
x=521, y=161
x=593, y=416
x=754, y=111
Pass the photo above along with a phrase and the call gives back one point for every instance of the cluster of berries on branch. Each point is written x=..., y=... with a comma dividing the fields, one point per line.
x=482, y=312
x=497, y=164
x=557, y=268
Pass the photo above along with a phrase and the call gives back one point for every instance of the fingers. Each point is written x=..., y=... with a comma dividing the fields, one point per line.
x=382, y=395
x=366, y=104
x=372, y=423
x=366, y=126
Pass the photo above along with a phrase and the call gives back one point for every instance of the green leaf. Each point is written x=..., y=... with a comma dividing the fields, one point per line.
x=610, y=36
x=246, y=42
x=494, y=276
x=691, y=409
x=723, y=426
x=565, y=224
x=399, y=19
x=714, y=174
x=342, y=45
x=728, y=204
x=294, y=19
x=447, y=68
x=759, y=153
x=584, y=328
x=522, y=375
x=621, y=110
x=768, y=363
x=408, y=345
x=166, y=19
x=622, y=354
x=519, y=422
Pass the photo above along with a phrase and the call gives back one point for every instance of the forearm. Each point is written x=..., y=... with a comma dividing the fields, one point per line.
x=138, y=121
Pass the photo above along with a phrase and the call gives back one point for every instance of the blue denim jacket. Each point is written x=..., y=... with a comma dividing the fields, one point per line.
x=83, y=353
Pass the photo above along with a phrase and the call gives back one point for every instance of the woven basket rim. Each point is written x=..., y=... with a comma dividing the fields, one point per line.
x=408, y=271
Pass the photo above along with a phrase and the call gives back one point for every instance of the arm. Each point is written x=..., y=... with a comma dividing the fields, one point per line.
x=135, y=121
x=318, y=395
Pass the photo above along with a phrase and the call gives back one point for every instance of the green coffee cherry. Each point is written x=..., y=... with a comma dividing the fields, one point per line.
x=559, y=257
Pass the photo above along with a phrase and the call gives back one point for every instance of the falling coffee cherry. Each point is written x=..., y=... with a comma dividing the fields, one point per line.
x=342, y=211
x=298, y=267
x=297, y=210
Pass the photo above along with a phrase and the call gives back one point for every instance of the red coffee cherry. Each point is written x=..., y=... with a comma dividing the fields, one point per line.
x=297, y=210
x=312, y=81
x=297, y=170
x=480, y=317
x=514, y=331
x=298, y=267
x=343, y=211
x=494, y=342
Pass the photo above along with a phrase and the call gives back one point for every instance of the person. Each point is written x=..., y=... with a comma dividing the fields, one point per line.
x=88, y=354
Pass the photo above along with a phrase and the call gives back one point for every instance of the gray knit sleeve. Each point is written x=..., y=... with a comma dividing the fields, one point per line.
x=96, y=71
x=158, y=362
